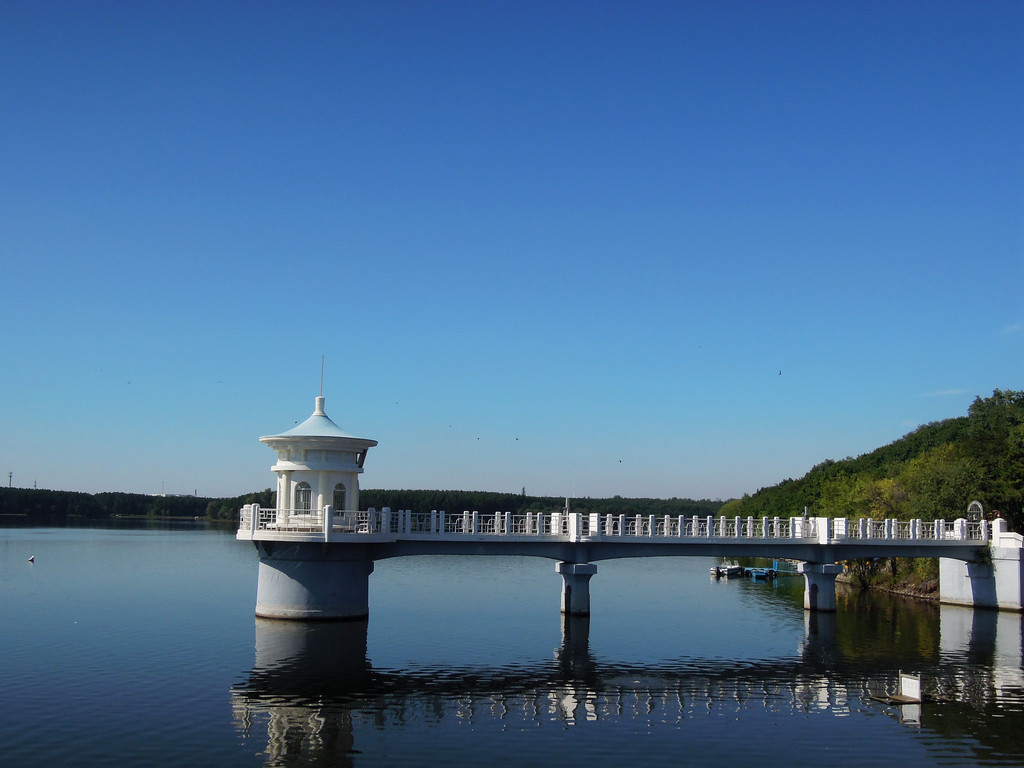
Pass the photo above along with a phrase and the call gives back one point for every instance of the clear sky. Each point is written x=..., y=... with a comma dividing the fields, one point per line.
x=594, y=248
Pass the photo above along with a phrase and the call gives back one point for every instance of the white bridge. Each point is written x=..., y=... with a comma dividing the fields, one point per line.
x=577, y=540
x=525, y=531
x=317, y=552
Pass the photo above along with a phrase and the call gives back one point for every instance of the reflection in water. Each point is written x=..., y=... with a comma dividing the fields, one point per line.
x=302, y=676
x=312, y=683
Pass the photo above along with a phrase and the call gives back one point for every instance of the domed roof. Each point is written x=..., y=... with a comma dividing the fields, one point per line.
x=318, y=424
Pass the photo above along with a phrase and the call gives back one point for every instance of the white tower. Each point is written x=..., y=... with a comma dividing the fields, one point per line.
x=318, y=465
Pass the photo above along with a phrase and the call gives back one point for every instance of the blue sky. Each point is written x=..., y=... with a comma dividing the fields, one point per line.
x=649, y=249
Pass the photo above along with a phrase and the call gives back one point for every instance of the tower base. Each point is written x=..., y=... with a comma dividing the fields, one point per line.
x=312, y=582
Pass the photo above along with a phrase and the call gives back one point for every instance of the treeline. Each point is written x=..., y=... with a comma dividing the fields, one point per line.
x=487, y=502
x=227, y=509
x=933, y=472
x=51, y=507
x=45, y=506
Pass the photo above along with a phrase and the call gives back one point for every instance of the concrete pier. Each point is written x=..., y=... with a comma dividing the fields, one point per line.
x=995, y=580
x=576, y=587
x=312, y=582
x=820, y=585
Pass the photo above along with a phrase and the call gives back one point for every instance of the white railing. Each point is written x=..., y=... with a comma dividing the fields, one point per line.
x=419, y=522
x=574, y=526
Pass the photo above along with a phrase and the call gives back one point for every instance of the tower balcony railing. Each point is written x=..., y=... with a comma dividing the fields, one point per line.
x=326, y=523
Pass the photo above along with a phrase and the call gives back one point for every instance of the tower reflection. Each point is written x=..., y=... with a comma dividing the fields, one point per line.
x=297, y=689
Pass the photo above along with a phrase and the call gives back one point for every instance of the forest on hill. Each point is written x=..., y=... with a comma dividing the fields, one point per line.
x=932, y=473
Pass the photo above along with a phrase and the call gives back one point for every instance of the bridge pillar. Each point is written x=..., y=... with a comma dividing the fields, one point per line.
x=820, y=585
x=996, y=583
x=576, y=587
x=996, y=580
x=312, y=582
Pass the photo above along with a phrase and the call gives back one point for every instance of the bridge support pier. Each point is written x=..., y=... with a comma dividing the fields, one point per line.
x=996, y=583
x=312, y=582
x=820, y=585
x=995, y=580
x=576, y=587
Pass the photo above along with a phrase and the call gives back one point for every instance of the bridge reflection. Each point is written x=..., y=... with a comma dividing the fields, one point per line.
x=312, y=684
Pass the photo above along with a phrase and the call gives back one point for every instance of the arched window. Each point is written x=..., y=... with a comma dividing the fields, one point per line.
x=339, y=496
x=975, y=511
x=303, y=497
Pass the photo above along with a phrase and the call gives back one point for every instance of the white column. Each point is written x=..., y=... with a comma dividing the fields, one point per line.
x=352, y=492
x=318, y=492
x=286, y=494
x=824, y=529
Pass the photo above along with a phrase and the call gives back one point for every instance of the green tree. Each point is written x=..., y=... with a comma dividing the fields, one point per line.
x=995, y=439
x=940, y=483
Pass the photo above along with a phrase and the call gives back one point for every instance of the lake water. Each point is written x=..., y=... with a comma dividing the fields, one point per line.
x=140, y=647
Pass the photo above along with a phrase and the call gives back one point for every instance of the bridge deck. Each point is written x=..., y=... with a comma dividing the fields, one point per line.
x=585, y=537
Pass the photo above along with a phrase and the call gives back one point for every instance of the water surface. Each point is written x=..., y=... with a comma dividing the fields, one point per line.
x=132, y=647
